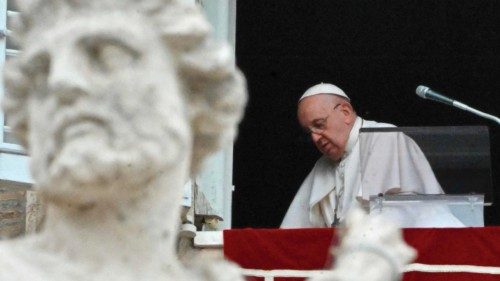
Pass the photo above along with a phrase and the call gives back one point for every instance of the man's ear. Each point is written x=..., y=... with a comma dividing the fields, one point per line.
x=348, y=113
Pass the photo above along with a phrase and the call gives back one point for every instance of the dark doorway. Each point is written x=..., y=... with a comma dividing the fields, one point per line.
x=378, y=52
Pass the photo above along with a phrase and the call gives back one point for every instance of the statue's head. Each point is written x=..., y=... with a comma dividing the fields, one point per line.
x=108, y=95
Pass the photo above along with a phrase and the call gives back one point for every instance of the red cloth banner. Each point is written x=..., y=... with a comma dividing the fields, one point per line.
x=308, y=249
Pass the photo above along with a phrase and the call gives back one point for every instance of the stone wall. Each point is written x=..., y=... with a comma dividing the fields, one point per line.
x=20, y=210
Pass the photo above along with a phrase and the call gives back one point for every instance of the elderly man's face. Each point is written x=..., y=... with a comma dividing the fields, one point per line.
x=105, y=108
x=328, y=120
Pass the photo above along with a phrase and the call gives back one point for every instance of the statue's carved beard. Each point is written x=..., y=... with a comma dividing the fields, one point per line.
x=94, y=163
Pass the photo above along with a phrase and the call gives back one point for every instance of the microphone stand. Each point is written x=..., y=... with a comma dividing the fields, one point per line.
x=476, y=112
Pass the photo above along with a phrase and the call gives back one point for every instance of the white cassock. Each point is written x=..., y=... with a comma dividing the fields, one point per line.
x=392, y=163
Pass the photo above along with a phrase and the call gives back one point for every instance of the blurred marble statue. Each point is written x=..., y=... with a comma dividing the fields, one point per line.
x=116, y=102
x=371, y=248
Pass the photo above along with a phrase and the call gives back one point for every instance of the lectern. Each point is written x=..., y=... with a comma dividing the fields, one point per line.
x=457, y=156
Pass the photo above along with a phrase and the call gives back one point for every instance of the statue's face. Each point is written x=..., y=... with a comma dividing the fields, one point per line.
x=105, y=110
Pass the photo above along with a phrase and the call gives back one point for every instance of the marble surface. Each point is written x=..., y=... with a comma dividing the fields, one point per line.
x=117, y=103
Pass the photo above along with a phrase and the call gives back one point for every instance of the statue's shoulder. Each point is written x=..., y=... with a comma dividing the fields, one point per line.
x=26, y=260
x=12, y=264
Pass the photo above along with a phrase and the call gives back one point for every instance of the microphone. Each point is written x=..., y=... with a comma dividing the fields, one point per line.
x=426, y=93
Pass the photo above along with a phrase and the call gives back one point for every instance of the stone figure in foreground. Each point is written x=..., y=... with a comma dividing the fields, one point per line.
x=372, y=248
x=116, y=102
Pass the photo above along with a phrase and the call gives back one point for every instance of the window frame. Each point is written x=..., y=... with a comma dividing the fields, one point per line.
x=13, y=158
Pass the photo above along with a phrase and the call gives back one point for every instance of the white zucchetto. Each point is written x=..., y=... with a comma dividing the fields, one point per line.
x=324, y=88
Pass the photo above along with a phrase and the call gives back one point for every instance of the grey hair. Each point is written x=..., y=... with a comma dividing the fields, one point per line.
x=214, y=89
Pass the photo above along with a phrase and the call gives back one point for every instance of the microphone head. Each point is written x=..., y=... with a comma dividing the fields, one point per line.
x=421, y=91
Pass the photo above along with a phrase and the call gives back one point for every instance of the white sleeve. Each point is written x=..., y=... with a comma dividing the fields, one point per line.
x=297, y=215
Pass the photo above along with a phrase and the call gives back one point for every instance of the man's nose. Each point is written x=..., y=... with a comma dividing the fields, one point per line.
x=315, y=136
x=66, y=78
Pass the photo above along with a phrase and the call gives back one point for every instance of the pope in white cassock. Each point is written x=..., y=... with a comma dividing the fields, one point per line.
x=393, y=164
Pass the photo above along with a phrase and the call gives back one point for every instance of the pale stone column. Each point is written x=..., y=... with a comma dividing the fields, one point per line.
x=34, y=212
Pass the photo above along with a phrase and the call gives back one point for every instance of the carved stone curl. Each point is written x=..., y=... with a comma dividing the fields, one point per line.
x=117, y=102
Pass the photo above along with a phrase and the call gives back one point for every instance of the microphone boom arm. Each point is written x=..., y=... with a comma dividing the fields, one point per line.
x=475, y=111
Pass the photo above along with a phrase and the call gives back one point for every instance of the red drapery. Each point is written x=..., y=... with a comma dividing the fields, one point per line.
x=308, y=249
